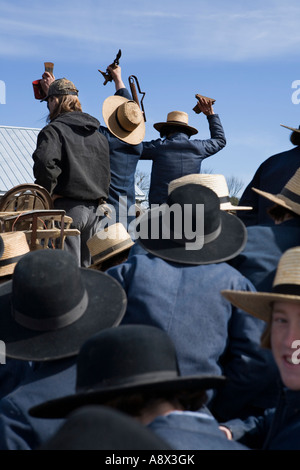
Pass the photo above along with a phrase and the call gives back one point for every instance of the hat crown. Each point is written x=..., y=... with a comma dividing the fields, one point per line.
x=109, y=241
x=124, y=355
x=189, y=197
x=62, y=86
x=38, y=287
x=129, y=115
x=178, y=116
x=215, y=182
x=288, y=270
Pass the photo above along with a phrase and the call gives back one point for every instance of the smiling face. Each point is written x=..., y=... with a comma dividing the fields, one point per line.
x=285, y=341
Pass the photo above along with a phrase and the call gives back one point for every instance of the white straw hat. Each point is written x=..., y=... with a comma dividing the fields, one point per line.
x=215, y=182
x=286, y=288
x=289, y=197
x=15, y=247
x=109, y=242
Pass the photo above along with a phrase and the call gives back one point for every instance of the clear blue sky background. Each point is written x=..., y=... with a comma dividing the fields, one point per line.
x=244, y=54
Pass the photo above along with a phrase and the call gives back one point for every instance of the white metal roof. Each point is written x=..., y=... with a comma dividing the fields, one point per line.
x=17, y=145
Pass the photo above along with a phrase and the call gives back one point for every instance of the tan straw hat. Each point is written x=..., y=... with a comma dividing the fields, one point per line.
x=215, y=182
x=124, y=119
x=176, y=118
x=289, y=197
x=286, y=288
x=109, y=242
x=15, y=247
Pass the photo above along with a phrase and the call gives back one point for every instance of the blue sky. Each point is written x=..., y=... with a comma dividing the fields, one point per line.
x=244, y=54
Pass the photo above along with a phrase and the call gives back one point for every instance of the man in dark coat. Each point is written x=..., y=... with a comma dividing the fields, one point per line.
x=271, y=176
x=134, y=369
x=71, y=161
x=48, y=309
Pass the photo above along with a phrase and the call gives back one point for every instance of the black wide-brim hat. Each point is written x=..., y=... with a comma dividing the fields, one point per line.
x=121, y=361
x=225, y=235
x=61, y=407
x=51, y=306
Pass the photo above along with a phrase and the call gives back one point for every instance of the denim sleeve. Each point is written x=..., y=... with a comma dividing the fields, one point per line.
x=124, y=92
x=251, y=431
x=217, y=139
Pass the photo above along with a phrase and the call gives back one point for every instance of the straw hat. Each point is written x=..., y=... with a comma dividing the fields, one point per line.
x=124, y=119
x=176, y=118
x=15, y=246
x=292, y=128
x=286, y=288
x=289, y=197
x=109, y=242
x=215, y=182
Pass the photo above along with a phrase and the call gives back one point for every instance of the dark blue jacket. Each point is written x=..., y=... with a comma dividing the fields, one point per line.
x=12, y=374
x=265, y=244
x=178, y=156
x=277, y=429
x=210, y=335
x=123, y=161
x=47, y=381
x=271, y=176
x=187, y=430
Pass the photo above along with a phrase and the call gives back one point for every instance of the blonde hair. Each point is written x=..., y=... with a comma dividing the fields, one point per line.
x=66, y=104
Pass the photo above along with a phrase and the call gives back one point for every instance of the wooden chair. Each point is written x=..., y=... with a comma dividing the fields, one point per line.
x=26, y=197
x=43, y=229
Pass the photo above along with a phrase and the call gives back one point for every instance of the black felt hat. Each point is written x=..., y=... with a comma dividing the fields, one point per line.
x=125, y=360
x=191, y=228
x=103, y=428
x=51, y=306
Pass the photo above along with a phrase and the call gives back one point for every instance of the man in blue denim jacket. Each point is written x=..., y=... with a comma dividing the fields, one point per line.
x=178, y=290
x=175, y=154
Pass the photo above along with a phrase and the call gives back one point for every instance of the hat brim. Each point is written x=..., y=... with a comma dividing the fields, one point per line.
x=230, y=242
x=109, y=112
x=258, y=304
x=106, y=308
x=61, y=407
x=227, y=206
x=112, y=254
x=280, y=200
x=291, y=128
x=191, y=130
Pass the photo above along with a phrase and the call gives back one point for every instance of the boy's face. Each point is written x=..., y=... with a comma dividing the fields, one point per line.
x=285, y=342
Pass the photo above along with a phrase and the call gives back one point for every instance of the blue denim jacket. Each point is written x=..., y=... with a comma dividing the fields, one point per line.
x=178, y=156
x=210, y=335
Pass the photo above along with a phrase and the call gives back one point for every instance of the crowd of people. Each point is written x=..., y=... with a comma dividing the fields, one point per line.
x=180, y=334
